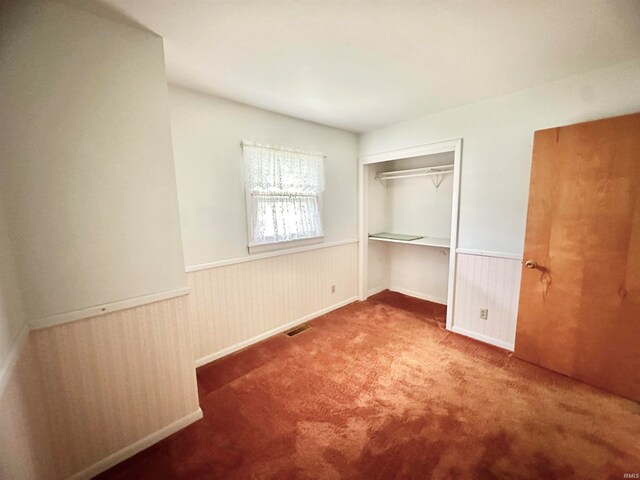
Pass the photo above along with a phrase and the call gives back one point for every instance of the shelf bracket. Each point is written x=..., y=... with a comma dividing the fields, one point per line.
x=437, y=180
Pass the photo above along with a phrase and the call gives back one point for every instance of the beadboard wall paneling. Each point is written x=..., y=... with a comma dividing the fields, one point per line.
x=113, y=380
x=487, y=282
x=26, y=451
x=233, y=305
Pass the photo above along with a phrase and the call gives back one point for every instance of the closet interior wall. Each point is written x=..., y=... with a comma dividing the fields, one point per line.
x=412, y=206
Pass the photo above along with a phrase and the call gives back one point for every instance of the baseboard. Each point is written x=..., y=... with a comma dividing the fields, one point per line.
x=483, y=338
x=136, y=447
x=11, y=361
x=375, y=290
x=421, y=296
x=263, y=336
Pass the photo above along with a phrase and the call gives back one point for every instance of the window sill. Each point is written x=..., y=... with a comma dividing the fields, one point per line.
x=269, y=247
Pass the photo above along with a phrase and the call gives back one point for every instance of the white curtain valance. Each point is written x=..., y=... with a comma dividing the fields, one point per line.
x=280, y=171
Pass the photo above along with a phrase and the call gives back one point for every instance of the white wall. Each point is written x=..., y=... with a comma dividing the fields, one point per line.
x=86, y=160
x=377, y=221
x=417, y=207
x=207, y=131
x=497, y=141
x=27, y=451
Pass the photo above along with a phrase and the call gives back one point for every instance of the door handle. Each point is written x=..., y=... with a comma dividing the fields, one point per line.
x=531, y=264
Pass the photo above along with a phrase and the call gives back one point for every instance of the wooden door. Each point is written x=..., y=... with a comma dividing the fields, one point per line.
x=579, y=311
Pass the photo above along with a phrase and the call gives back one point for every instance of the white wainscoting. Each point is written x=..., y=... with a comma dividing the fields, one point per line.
x=235, y=305
x=26, y=450
x=492, y=281
x=115, y=383
x=19, y=342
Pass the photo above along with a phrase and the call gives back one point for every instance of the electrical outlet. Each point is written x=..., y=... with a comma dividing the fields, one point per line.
x=333, y=289
x=484, y=313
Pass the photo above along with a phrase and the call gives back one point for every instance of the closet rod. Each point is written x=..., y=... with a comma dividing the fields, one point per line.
x=416, y=172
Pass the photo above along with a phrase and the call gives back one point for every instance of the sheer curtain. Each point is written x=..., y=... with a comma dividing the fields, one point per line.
x=284, y=187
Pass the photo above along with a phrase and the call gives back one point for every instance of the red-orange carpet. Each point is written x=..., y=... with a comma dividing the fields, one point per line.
x=379, y=390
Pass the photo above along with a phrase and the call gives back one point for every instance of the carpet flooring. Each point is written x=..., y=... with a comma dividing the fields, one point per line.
x=380, y=390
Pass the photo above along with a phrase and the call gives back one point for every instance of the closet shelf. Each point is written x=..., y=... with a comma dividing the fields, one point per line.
x=423, y=241
x=416, y=172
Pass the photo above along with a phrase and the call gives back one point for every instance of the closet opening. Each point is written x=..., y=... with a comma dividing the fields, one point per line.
x=409, y=219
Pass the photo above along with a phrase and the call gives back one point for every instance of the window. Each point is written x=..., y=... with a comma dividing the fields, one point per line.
x=284, y=189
